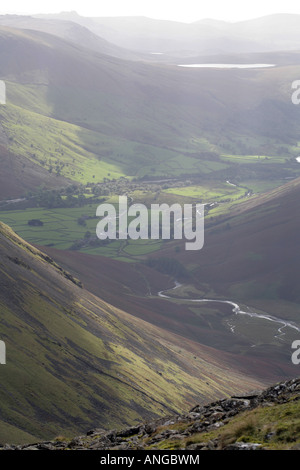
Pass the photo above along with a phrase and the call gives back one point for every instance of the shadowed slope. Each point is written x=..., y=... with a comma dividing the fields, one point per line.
x=74, y=361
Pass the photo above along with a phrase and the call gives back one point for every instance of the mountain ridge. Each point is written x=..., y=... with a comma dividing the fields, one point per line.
x=151, y=35
x=69, y=31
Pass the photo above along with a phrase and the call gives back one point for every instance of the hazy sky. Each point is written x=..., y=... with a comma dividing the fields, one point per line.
x=184, y=10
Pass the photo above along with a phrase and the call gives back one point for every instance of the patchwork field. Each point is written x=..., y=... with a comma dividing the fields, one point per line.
x=63, y=227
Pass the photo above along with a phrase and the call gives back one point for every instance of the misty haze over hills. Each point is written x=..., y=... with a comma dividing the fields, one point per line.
x=269, y=33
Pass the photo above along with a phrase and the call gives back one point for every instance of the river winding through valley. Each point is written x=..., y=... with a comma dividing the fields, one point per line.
x=236, y=309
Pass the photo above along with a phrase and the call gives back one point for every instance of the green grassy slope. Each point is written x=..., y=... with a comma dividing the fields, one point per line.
x=271, y=422
x=74, y=361
x=261, y=420
x=82, y=115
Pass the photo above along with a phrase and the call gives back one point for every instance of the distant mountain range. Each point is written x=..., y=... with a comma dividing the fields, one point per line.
x=269, y=33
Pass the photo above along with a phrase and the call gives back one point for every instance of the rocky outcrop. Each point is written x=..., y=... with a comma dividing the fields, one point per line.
x=183, y=431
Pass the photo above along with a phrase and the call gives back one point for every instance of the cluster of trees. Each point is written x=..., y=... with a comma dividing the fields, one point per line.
x=35, y=223
x=166, y=265
x=88, y=240
x=72, y=196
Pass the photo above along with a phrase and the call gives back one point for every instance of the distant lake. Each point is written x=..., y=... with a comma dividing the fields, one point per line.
x=228, y=66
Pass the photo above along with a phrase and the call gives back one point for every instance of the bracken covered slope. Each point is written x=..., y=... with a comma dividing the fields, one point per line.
x=74, y=361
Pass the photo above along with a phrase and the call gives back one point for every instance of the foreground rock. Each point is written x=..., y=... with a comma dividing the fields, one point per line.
x=214, y=426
